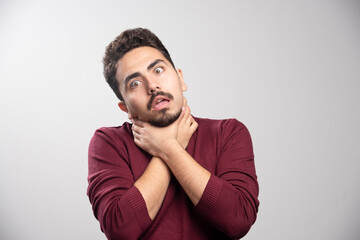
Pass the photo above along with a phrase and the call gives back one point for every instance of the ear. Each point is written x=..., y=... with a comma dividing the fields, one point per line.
x=123, y=107
x=181, y=78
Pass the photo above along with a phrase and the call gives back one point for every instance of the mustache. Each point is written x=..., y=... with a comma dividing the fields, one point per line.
x=154, y=95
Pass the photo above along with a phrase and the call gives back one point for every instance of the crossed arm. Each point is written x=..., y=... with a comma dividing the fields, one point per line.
x=167, y=145
x=227, y=200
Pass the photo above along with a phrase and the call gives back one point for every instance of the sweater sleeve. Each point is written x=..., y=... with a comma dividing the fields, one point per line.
x=117, y=204
x=230, y=201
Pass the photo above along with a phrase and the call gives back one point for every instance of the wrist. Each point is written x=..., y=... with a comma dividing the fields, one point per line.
x=161, y=164
x=171, y=147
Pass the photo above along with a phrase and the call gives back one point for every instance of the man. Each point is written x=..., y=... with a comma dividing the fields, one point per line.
x=168, y=175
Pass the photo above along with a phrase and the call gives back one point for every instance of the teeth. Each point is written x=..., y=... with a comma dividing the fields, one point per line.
x=160, y=100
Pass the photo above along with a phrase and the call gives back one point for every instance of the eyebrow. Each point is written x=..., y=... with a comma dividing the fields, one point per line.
x=154, y=63
x=128, y=78
x=136, y=74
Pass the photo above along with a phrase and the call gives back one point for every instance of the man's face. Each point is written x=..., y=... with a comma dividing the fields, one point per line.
x=152, y=89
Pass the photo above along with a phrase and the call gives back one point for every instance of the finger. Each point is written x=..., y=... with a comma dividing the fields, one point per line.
x=136, y=128
x=181, y=117
x=187, y=117
x=188, y=121
x=184, y=102
x=194, y=122
x=194, y=126
x=187, y=111
x=137, y=142
x=136, y=135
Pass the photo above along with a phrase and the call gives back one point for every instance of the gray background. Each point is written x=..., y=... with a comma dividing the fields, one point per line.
x=289, y=70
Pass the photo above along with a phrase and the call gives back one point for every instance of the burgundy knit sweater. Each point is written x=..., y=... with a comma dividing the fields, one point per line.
x=226, y=210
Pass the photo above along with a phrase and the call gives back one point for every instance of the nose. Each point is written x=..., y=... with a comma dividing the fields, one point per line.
x=153, y=85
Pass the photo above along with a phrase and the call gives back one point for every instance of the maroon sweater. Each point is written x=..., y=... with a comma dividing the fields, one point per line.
x=226, y=210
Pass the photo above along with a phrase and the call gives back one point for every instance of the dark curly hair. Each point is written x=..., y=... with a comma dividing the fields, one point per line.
x=125, y=42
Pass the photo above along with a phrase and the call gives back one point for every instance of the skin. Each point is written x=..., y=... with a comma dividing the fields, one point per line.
x=166, y=144
x=137, y=91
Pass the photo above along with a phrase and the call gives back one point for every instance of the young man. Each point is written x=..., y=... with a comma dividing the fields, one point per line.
x=168, y=175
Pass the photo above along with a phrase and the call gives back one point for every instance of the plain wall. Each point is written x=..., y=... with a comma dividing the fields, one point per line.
x=289, y=70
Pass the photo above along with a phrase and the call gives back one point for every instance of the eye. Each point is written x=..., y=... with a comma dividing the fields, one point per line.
x=135, y=83
x=159, y=70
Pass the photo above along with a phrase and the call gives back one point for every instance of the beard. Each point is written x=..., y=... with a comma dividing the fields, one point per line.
x=165, y=119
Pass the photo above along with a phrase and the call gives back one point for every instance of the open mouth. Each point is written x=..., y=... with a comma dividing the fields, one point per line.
x=160, y=102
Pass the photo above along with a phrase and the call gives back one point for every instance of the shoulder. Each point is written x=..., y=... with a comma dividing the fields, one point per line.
x=113, y=134
x=227, y=131
x=221, y=125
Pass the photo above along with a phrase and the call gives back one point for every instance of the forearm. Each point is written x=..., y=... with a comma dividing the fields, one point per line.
x=192, y=176
x=153, y=185
x=231, y=210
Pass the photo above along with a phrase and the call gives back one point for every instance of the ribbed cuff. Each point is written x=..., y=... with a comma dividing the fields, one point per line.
x=138, y=205
x=211, y=193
